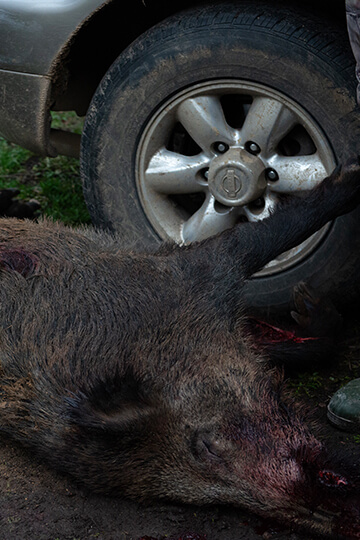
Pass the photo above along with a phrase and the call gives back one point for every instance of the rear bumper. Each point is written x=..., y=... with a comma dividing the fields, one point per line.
x=25, y=111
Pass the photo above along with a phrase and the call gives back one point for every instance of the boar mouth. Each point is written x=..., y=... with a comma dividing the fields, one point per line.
x=340, y=520
x=323, y=501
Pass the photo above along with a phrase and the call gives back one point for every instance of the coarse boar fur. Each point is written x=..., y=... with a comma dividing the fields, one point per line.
x=138, y=374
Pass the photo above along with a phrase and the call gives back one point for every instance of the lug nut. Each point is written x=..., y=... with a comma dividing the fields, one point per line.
x=272, y=175
x=252, y=147
x=221, y=147
x=205, y=173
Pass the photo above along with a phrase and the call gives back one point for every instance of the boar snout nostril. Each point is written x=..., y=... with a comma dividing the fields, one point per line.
x=331, y=479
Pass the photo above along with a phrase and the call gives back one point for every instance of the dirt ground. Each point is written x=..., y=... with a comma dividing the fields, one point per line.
x=37, y=503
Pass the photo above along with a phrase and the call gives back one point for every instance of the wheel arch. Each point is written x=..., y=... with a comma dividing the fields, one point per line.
x=92, y=48
x=89, y=52
x=86, y=56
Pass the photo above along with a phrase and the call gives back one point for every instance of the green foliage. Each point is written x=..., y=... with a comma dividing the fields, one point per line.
x=306, y=384
x=59, y=190
x=67, y=121
x=54, y=182
x=11, y=159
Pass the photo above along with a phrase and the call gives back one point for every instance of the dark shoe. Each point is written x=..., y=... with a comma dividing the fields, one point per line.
x=344, y=407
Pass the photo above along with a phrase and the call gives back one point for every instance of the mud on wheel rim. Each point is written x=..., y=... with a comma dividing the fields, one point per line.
x=226, y=151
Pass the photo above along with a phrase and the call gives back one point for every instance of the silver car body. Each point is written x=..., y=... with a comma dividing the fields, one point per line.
x=34, y=34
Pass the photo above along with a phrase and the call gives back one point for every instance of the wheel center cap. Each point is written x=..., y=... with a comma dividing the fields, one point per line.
x=236, y=178
x=231, y=183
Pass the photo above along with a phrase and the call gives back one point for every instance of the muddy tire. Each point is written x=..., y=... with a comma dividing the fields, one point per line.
x=232, y=54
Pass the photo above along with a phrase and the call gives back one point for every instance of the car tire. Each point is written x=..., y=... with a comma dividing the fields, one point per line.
x=280, y=51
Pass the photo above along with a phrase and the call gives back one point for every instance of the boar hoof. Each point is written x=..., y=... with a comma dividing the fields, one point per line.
x=317, y=315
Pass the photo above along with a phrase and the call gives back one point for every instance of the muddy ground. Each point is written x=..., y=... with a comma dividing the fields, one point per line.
x=37, y=503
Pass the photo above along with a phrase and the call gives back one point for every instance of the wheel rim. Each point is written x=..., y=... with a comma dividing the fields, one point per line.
x=224, y=152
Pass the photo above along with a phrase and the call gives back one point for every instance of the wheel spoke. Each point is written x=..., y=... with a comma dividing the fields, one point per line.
x=174, y=174
x=204, y=120
x=298, y=173
x=270, y=200
x=266, y=123
x=208, y=221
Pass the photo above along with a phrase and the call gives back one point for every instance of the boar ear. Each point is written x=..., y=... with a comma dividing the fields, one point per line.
x=112, y=405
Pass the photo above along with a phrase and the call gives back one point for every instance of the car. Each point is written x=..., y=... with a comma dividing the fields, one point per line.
x=198, y=116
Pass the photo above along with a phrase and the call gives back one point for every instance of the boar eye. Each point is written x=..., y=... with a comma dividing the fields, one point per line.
x=208, y=447
x=213, y=447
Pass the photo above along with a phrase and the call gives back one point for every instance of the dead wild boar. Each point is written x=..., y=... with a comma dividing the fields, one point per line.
x=138, y=373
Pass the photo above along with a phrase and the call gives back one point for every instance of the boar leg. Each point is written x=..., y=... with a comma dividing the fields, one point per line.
x=243, y=250
x=316, y=315
x=314, y=339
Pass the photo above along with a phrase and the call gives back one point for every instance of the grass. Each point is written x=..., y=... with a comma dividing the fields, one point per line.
x=306, y=384
x=54, y=182
x=317, y=387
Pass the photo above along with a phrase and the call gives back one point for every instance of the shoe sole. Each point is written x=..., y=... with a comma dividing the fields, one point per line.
x=342, y=423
